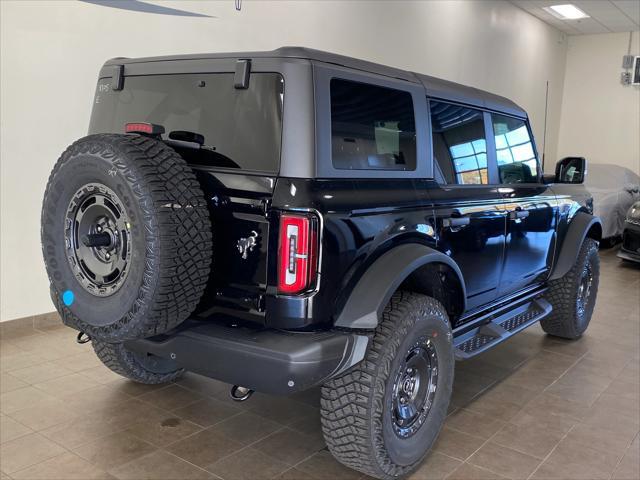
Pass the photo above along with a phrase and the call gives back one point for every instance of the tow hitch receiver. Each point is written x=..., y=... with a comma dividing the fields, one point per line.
x=240, y=394
x=83, y=338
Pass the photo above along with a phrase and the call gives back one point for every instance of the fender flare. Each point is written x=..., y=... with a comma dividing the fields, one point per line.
x=578, y=229
x=373, y=291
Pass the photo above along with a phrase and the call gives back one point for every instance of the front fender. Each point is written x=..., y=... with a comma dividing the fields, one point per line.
x=579, y=227
x=373, y=291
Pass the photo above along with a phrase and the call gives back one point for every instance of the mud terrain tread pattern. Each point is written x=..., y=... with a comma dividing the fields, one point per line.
x=562, y=294
x=121, y=361
x=178, y=247
x=349, y=402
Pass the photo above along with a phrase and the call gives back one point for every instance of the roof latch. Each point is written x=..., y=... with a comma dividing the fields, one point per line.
x=241, y=77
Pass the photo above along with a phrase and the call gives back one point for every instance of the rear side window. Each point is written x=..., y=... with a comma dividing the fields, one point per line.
x=242, y=128
x=372, y=127
x=516, y=158
x=459, y=143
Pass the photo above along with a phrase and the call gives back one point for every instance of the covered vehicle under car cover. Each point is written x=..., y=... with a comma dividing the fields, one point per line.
x=614, y=190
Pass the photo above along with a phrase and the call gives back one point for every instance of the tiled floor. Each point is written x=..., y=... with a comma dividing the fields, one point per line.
x=534, y=408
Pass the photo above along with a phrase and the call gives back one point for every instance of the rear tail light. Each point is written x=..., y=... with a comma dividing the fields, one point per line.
x=297, y=253
x=143, y=127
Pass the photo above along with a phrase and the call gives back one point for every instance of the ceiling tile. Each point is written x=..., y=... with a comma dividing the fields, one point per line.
x=625, y=25
x=605, y=15
x=547, y=17
x=589, y=26
x=598, y=7
x=526, y=4
x=565, y=27
x=631, y=8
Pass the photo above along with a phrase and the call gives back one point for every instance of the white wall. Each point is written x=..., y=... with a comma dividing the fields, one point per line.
x=51, y=52
x=600, y=116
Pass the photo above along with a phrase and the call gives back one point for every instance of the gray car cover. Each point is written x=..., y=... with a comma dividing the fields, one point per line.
x=614, y=189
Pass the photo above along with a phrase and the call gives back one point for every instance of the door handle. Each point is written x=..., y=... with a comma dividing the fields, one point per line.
x=518, y=213
x=456, y=221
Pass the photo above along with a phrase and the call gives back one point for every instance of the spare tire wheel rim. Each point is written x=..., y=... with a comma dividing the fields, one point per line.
x=414, y=388
x=98, y=239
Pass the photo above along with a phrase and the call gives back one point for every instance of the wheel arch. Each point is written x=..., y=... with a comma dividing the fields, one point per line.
x=441, y=282
x=583, y=225
x=412, y=266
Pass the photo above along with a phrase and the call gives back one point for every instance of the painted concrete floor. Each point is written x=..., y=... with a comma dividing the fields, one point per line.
x=535, y=407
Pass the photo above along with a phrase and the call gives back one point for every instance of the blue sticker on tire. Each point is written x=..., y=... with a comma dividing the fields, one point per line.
x=68, y=297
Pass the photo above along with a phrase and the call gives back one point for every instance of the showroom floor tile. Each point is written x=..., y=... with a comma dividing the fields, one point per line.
x=533, y=408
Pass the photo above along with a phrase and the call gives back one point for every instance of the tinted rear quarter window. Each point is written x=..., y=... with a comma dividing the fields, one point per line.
x=372, y=127
x=242, y=128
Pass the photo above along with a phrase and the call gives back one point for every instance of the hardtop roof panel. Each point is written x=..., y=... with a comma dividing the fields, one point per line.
x=435, y=87
x=452, y=91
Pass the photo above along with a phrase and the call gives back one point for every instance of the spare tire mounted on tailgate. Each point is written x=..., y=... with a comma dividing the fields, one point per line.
x=126, y=237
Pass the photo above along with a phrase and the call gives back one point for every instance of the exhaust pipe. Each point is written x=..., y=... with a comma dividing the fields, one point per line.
x=240, y=394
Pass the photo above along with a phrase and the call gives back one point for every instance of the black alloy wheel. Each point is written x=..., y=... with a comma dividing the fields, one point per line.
x=584, y=289
x=97, y=233
x=414, y=388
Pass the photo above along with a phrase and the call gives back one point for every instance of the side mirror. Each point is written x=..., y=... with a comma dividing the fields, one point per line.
x=571, y=170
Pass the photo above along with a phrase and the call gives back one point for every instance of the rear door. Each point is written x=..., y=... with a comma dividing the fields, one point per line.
x=470, y=218
x=530, y=206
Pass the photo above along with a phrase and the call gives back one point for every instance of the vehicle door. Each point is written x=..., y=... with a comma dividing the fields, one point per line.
x=469, y=215
x=530, y=205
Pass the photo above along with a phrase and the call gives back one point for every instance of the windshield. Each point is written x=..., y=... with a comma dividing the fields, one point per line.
x=241, y=127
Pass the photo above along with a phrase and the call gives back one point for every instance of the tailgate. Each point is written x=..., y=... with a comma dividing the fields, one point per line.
x=239, y=206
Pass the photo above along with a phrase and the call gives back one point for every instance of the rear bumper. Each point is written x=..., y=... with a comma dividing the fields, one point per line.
x=270, y=361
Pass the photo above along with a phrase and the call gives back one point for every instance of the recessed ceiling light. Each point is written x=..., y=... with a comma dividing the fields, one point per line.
x=566, y=12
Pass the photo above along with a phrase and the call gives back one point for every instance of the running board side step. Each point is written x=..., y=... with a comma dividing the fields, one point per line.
x=500, y=328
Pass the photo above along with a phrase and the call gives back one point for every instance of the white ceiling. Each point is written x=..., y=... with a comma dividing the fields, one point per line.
x=606, y=15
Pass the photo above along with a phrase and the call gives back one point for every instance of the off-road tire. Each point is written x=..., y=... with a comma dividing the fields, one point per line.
x=171, y=244
x=355, y=406
x=565, y=320
x=137, y=367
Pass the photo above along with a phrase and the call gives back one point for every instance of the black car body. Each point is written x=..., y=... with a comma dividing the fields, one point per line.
x=378, y=187
x=630, y=248
x=288, y=219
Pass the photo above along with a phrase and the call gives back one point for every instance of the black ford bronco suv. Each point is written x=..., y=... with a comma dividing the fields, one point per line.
x=287, y=219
